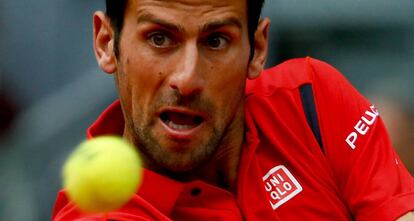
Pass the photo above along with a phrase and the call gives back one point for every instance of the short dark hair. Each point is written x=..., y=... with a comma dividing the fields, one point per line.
x=115, y=10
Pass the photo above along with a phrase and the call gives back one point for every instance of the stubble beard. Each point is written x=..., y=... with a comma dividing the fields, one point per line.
x=187, y=158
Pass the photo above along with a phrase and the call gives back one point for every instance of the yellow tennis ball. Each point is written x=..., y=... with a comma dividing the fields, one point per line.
x=102, y=174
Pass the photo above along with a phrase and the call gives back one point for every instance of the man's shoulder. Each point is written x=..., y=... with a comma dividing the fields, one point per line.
x=290, y=74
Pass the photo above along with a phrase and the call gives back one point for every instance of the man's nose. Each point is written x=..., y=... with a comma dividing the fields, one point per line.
x=188, y=78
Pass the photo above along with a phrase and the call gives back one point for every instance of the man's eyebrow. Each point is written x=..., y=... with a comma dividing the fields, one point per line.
x=211, y=26
x=146, y=17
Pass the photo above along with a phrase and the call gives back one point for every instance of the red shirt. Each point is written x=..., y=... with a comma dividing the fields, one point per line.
x=284, y=174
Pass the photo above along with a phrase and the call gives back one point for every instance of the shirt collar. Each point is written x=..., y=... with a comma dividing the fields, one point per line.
x=110, y=122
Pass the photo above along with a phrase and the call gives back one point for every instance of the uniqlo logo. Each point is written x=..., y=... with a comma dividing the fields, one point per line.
x=281, y=186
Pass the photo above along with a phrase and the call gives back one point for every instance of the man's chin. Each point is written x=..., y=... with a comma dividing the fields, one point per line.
x=183, y=164
x=177, y=156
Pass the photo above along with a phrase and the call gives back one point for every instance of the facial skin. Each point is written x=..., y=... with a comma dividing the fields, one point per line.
x=181, y=76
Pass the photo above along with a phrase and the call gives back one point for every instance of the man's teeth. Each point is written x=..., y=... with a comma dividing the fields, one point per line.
x=179, y=126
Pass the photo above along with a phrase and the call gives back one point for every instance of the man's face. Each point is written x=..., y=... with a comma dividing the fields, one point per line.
x=181, y=76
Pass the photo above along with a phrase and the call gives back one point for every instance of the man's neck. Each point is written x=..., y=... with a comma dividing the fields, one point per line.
x=223, y=169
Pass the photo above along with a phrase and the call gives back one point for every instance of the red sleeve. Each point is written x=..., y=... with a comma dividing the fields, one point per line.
x=135, y=210
x=373, y=181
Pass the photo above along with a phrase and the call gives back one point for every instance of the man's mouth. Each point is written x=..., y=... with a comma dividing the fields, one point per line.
x=181, y=121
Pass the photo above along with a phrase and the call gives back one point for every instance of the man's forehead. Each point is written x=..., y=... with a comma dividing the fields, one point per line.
x=192, y=2
x=207, y=14
x=211, y=5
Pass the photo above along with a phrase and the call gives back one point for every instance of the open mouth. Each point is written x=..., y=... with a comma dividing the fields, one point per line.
x=180, y=121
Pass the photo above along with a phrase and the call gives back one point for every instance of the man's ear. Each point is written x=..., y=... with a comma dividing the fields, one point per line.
x=103, y=42
x=261, y=45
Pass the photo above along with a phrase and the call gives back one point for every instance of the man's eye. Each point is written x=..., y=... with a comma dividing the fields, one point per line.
x=160, y=40
x=216, y=42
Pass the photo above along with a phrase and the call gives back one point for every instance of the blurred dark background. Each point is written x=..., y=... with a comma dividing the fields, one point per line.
x=51, y=88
